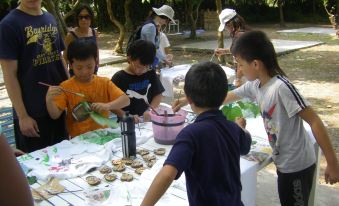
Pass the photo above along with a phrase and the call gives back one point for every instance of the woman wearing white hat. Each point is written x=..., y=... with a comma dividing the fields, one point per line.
x=160, y=16
x=236, y=26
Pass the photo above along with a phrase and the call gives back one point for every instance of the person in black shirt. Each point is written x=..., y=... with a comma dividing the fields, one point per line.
x=139, y=82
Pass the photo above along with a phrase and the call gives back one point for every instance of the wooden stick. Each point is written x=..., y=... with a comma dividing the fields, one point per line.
x=65, y=90
x=155, y=111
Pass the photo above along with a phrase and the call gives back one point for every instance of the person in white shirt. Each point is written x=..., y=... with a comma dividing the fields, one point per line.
x=164, y=47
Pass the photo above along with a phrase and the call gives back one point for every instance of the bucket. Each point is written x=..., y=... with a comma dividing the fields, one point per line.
x=167, y=126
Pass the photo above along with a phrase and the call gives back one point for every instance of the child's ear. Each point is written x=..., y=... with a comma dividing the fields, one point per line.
x=256, y=64
x=189, y=100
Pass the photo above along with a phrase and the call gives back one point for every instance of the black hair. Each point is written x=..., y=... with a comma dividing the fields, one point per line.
x=81, y=49
x=239, y=25
x=255, y=45
x=206, y=85
x=142, y=50
x=78, y=11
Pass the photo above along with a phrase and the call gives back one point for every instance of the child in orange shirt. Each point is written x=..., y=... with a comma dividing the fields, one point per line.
x=100, y=91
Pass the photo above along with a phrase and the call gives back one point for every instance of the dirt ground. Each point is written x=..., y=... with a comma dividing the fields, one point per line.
x=314, y=71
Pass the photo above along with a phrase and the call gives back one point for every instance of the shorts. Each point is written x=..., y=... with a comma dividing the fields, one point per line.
x=295, y=188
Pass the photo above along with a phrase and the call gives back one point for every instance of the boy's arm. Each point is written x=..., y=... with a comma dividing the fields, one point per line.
x=159, y=185
x=154, y=104
x=118, y=112
x=320, y=134
x=28, y=125
x=12, y=174
x=53, y=111
x=120, y=102
x=231, y=97
x=156, y=101
x=246, y=140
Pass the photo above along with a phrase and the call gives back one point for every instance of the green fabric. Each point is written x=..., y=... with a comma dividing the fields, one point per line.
x=99, y=137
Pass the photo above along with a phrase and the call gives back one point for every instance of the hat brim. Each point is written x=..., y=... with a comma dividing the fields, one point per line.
x=221, y=27
x=160, y=13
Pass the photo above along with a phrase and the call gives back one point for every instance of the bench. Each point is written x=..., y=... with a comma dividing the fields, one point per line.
x=6, y=121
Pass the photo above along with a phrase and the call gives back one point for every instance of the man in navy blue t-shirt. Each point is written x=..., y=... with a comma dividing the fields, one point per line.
x=207, y=151
x=30, y=52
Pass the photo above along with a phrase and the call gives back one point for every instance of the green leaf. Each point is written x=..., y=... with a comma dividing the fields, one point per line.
x=31, y=180
x=241, y=105
x=98, y=118
x=239, y=109
x=86, y=106
x=103, y=121
x=232, y=111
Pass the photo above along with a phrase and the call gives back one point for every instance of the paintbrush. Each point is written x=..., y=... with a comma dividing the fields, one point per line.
x=155, y=111
x=65, y=90
x=178, y=99
x=212, y=57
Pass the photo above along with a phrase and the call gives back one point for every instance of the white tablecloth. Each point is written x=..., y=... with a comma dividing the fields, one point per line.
x=167, y=75
x=133, y=192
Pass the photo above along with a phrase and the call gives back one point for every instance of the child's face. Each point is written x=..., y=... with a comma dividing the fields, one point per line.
x=229, y=26
x=137, y=68
x=83, y=69
x=248, y=68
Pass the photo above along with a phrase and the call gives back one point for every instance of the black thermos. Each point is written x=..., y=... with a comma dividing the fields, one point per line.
x=128, y=136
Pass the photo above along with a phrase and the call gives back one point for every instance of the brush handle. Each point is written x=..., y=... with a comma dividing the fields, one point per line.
x=65, y=90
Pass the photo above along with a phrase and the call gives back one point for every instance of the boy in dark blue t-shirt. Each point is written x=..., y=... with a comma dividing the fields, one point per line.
x=209, y=150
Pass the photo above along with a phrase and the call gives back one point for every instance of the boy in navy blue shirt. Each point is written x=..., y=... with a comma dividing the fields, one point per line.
x=209, y=150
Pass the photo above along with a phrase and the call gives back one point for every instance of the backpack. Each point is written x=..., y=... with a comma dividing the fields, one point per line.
x=136, y=35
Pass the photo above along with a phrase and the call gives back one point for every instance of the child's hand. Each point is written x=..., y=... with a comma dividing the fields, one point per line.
x=147, y=116
x=169, y=60
x=177, y=104
x=332, y=174
x=17, y=152
x=100, y=107
x=137, y=119
x=52, y=92
x=220, y=51
x=241, y=122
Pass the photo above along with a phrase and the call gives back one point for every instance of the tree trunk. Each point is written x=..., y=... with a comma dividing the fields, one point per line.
x=337, y=16
x=54, y=10
x=118, y=46
x=72, y=11
x=332, y=15
x=281, y=13
x=193, y=34
x=220, y=34
x=128, y=21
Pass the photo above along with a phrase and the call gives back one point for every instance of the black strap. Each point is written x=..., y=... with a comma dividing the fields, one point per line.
x=73, y=34
x=168, y=124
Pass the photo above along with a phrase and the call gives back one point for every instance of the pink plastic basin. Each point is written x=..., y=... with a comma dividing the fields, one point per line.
x=166, y=128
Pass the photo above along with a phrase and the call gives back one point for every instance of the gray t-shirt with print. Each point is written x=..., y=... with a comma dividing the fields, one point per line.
x=279, y=103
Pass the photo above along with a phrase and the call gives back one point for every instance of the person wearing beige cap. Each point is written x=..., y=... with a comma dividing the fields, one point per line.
x=236, y=26
x=159, y=17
